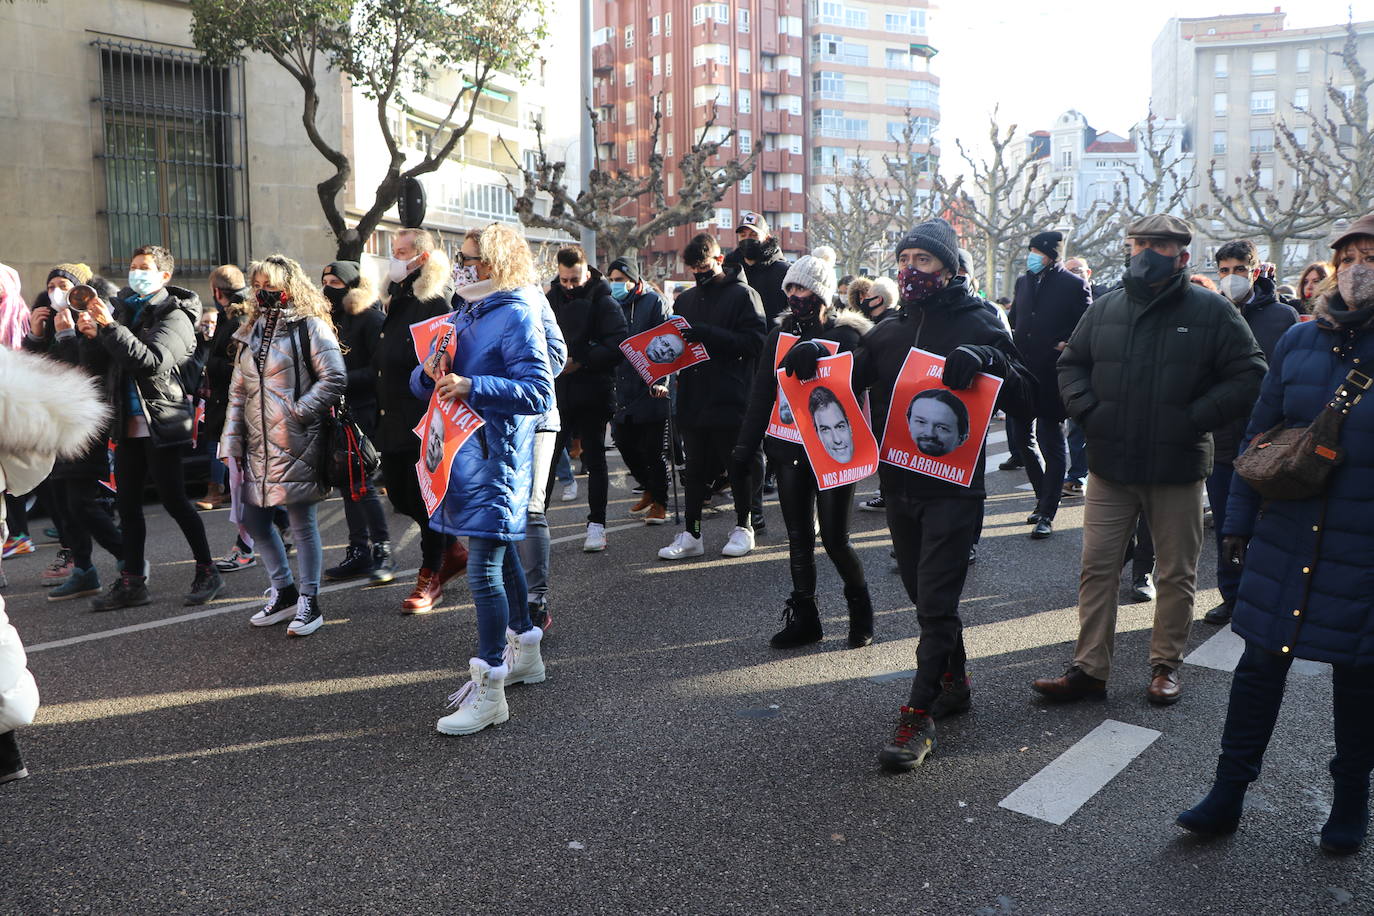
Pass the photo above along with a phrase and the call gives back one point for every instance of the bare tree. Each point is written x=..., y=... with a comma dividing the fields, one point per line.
x=1277, y=212
x=1005, y=203
x=607, y=203
x=851, y=216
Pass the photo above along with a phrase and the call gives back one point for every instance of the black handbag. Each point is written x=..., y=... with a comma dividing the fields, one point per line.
x=350, y=457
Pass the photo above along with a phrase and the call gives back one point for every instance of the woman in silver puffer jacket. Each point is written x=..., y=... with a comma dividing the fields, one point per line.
x=288, y=374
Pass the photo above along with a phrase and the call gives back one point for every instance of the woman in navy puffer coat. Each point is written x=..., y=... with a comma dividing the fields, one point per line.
x=501, y=370
x=1307, y=586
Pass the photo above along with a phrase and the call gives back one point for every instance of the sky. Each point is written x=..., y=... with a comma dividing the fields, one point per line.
x=1036, y=61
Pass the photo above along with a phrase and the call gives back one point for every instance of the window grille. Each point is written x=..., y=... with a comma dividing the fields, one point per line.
x=173, y=153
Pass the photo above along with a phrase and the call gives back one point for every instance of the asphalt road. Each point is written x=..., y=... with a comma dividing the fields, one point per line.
x=672, y=763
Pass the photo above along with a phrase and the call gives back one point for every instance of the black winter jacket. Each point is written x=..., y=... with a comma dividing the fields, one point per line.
x=359, y=323
x=844, y=327
x=1044, y=312
x=593, y=328
x=947, y=320
x=1268, y=319
x=153, y=354
x=633, y=404
x=220, y=356
x=1149, y=375
x=766, y=278
x=423, y=294
x=95, y=463
x=728, y=316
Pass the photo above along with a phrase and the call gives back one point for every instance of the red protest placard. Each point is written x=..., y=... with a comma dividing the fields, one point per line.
x=838, y=443
x=661, y=351
x=433, y=334
x=443, y=430
x=935, y=431
x=780, y=425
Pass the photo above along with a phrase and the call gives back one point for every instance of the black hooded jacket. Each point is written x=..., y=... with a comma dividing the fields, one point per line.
x=1269, y=319
x=94, y=463
x=950, y=318
x=765, y=276
x=1046, y=309
x=633, y=404
x=593, y=327
x=728, y=316
x=423, y=294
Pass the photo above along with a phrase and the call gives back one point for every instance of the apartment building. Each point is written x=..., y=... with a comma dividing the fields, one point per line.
x=741, y=59
x=870, y=74
x=1229, y=79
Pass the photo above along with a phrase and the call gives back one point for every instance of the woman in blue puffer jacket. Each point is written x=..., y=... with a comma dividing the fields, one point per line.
x=501, y=370
x=1307, y=584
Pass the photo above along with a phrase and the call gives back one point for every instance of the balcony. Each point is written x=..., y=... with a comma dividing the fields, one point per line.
x=603, y=94
x=772, y=121
x=792, y=202
x=710, y=73
x=792, y=44
x=789, y=123
x=768, y=82
x=771, y=161
x=772, y=201
x=791, y=241
x=603, y=58
x=605, y=132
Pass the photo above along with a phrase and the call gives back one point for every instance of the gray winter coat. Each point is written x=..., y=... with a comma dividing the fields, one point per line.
x=276, y=437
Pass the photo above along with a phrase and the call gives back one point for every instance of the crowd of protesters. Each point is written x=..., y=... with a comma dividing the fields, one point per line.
x=1140, y=396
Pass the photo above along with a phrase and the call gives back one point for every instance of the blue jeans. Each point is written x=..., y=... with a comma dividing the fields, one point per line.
x=1218, y=489
x=1078, y=452
x=267, y=543
x=563, y=469
x=497, y=584
x=535, y=549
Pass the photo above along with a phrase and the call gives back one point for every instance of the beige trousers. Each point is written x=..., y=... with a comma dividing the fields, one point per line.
x=1174, y=514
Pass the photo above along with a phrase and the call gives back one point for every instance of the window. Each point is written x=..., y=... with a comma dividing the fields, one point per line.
x=742, y=19
x=489, y=202
x=912, y=22
x=1300, y=100
x=653, y=25
x=745, y=97
x=725, y=218
x=629, y=36
x=856, y=19
x=1349, y=93
x=794, y=141
x=793, y=66
x=828, y=12
x=1263, y=62
x=898, y=59
x=629, y=113
x=1063, y=189
x=720, y=12
x=746, y=140
x=790, y=25
x=1262, y=102
x=1262, y=140
x=796, y=221
x=826, y=159
x=790, y=104
x=1066, y=159
x=1266, y=177
x=831, y=122
x=1300, y=136
x=630, y=74
x=668, y=104
x=630, y=155
x=828, y=84
x=744, y=60
x=1218, y=141
x=746, y=184
x=656, y=65
x=835, y=48
x=668, y=151
x=1221, y=67
x=171, y=127
x=705, y=95
x=702, y=54
x=1304, y=61
x=1219, y=105
x=603, y=36
x=667, y=23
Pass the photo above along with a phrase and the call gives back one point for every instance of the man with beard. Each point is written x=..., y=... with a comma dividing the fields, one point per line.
x=937, y=421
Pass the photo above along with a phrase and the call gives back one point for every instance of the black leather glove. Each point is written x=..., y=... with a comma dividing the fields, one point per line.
x=1233, y=548
x=696, y=334
x=967, y=361
x=800, y=361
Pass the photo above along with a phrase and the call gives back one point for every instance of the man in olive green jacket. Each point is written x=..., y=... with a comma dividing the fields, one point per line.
x=1149, y=372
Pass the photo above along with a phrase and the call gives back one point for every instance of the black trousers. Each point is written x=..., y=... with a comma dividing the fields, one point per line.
x=932, y=538
x=644, y=446
x=708, y=454
x=1048, y=479
x=403, y=489
x=83, y=517
x=16, y=515
x=590, y=427
x=801, y=499
x=135, y=461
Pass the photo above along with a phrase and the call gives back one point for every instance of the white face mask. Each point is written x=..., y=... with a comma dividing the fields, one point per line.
x=464, y=276
x=1236, y=287
x=57, y=297
x=398, y=270
x=144, y=282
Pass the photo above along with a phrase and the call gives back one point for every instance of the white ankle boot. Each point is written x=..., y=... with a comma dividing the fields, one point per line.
x=522, y=657
x=480, y=702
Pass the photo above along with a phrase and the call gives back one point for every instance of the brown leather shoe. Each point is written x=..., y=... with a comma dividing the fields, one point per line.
x=455, y=562
x=645, y=502
x=428, y=592
x=657, y=514
x=1070, y=686
x=1164, y=689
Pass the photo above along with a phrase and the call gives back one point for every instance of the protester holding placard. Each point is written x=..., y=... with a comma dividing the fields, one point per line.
x=811, y=329
x=725, y=316
x=640, y=429
x=501, y=370
x=934, y=518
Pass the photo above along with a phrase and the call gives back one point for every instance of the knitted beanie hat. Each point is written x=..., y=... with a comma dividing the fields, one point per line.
x=76, y=273
x=935, y=236
x=814, y=272
x=1047, y=243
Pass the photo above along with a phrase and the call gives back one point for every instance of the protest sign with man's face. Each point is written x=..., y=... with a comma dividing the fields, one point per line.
x=832, y=425
x=665, y=348
x=937, y=421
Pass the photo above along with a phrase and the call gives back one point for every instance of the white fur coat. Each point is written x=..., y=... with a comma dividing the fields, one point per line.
x=48, y=410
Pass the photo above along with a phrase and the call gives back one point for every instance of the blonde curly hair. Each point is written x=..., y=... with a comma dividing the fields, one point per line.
x=287, y=275
x=506, y=254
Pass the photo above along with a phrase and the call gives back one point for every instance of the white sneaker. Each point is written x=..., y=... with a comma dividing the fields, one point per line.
x=683, y=546
x=522, y=657
x=478, y=703
x=596, y=538
x=741, y=543
x=569, y=492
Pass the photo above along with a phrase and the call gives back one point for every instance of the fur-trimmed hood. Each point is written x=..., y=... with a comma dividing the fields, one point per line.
x=432, y=280
x=47, y=407
x=361, y=297
x=845, y=318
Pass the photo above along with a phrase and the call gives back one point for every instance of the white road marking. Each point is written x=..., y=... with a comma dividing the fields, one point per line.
x=997, y=436
x=991, y=465
x=1222, y=651
x=1076, y=775
x=249, y=605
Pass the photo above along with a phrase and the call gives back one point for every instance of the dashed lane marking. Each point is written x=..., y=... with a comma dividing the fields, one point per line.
x=1222, y=651
x=1076, y=775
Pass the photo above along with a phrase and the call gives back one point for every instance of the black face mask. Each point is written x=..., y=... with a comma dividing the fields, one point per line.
x=268, y=299
x=704, y=276
x=804, y=308
x=750, y=249
x=1151, y=267
x=335, y=295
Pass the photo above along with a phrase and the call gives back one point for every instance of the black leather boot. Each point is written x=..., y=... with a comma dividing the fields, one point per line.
x=860, y=616
x=801, y=623
x=1346, y=828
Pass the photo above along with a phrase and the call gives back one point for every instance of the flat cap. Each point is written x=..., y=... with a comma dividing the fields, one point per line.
x=1161, y=226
